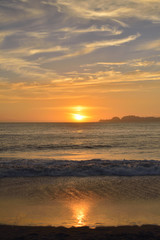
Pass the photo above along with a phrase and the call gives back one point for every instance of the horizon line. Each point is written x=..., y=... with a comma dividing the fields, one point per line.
x=106, y=119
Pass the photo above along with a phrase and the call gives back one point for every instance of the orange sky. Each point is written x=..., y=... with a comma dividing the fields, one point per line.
x=60, y=58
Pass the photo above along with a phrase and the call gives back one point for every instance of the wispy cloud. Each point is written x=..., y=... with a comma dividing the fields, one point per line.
x=4, y=34
x=46, y=50
x=25, y=68
x=104, y=64
x=150, y=45
x=114, y=42
x=98, y=83
x=87, y=48
x=129, y=63
x=92, y=29
x=68, y=49
x=112, y=9
x=22, y=9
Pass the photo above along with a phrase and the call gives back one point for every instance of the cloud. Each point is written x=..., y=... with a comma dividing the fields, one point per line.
x=12, y=11
x=79, y=85
x=32, y=37
x=114, y=42
x=48, y=50
x=4, y=34
x=87, y=48
x=25, y=68
x=129, y=63
x=150, y=45
x=118, y=9
x=104, y=64
x=93, y=28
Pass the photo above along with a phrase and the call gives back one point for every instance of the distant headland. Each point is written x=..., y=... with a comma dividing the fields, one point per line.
x=131, y=118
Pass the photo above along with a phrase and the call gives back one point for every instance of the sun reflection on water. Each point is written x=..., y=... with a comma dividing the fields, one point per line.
x=80, y=212
x=80, y=217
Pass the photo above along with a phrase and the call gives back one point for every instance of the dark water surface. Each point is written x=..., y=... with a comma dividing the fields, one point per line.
x=80, y=141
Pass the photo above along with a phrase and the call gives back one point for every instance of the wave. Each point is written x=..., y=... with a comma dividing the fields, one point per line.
x=94, y=167
x=31, y=147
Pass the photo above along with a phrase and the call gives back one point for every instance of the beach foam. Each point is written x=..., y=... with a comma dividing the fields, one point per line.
x=93, y=167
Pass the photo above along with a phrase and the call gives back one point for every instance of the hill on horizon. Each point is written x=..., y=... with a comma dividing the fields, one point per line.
x=131, y=118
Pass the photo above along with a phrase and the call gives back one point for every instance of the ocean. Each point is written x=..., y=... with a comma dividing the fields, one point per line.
x=76, y=174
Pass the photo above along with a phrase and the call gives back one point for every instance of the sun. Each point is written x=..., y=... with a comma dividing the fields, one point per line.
x=78, y=117
x=79, y=113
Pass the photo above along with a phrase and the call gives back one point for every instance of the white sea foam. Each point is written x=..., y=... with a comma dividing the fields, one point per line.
x=93, y=167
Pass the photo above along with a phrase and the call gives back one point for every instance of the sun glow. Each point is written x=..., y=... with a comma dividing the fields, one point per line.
x=79, y=113
x=78, y=117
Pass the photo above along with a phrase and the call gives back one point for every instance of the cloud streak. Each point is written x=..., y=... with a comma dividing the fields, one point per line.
x=150, y=45
x=119, y=9
x=87, y=48
x=92, y=29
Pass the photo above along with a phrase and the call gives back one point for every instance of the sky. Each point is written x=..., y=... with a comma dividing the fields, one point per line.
x=79, y=60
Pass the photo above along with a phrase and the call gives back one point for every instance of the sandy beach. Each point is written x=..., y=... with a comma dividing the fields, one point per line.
x=147, y=232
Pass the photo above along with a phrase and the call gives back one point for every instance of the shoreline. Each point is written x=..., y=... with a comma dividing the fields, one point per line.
x=147, y=232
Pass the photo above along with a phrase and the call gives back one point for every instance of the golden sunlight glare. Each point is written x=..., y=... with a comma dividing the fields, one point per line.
x=78, y=117
x=80, y=213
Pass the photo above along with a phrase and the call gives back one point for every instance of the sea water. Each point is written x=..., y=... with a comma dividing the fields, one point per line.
x=76, y=174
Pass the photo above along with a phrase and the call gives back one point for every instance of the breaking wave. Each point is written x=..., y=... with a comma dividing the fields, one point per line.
x=93, y=167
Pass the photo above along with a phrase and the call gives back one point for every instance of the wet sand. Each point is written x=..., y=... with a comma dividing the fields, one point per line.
x=89, y=201
x=147, y=232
